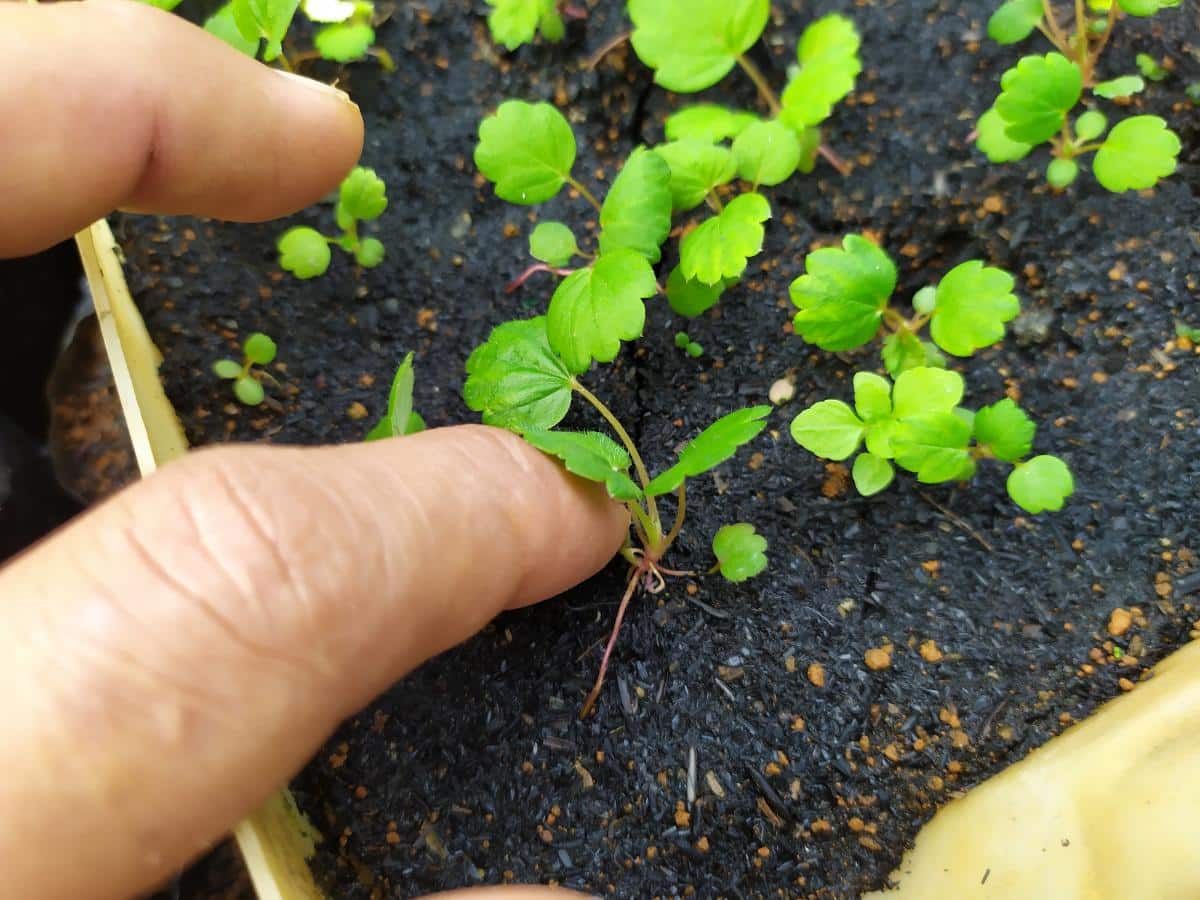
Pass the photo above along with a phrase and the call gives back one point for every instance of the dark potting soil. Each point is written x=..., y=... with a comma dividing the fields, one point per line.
x=475, y=769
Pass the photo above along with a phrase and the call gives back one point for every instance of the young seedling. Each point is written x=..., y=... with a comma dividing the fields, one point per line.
x=1187, y=332
x=305, y=252
x=516, y=22
x=401, y=418
x=1151, y=68
x=688, y=346
x=257, y=350
x=917, y=424
x=1039, y=93
x=525, y=377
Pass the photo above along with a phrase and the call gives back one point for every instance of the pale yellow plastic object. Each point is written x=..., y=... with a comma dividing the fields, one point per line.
x=1108, y=809
x=276, y=841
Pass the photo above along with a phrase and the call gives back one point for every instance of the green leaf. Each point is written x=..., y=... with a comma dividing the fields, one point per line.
x=721, y=247
x=400, y=403
x=1061, y=173
x=828, y=429
x=767, y=153
x=1006, y=429
x=596, y=308
x=902, y=350
x=362, y=196
x=516, y=381
x=691, y=298
x=717, y=443
x=1146, y=7
x=872, y=474
x=227, y=369
x=994, y=142
x=527, y=150
x=741, y=552
x=1090, y=125
x=1041, y=484
x=515, y=22
x=1116, y=88
x=973, y=303
x=707, y=122
x=259, y=349
x=1184, y=330
x=304, y=252
x=1014, y=21
x=1136, y=154
x=552, y=26
x=692, y=44
x=248, y=391
x=697, y=166
x=872, y=396
x=270, y=19
x=1150, y=67
x=222, y=24
x=843, y=294
x=637, y=211
x=369, y=253
x=553, y=243
x=1036, y=95
x=933, y=445
x=810, y=146
x=829, y=65
x=166, y=5
x=344, y=42
x=926, y=390
x=591, y=455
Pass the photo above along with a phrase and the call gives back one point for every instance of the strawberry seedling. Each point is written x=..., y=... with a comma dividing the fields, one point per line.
x=257, y=350
x=516, y=22
x=305, y=252
x=688, y=346
x=401, y=418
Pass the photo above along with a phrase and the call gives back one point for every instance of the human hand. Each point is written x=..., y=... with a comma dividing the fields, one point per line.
x=170, y=658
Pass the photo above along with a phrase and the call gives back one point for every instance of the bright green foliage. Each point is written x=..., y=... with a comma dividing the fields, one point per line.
x=1090, y=125
x=925, y=390
x=362, y=196
x=933, y=446
x=344, y=42
x=973, y=303
x=1146, y=7
x=1136, y=154
x=691, y=298
x=257, y=350
x=527, y=150
x=713, y=446
x=697, y=167
x=1036, y=95
x=591, y=455
x=688, y=346
x=596, y=308
x=903, y=350
x=994, y=141
x=1006, y=429
x=1041, y=484
x=401, y=418
x=767, y=153
x=1061, y=173
x=829, y=66
x=304, y=252
x=1151, y=68
x=692, y=44
x=267, y=20
x=222, y=25
x=637, y=211
x=721, y=247
x=741, y=552
x=249, y=392
x=226, y=369
x=707, y=122
x=516, y=381
x=553, y=243
x=516, y=22
x=1125, y=86
x=369, y=252
x=1014, y=21
x=872, y=474
x=1184, y=330
x=829, y=429
x=843, y=294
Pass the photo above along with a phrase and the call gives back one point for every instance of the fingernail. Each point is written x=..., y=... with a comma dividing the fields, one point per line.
x=319, y=86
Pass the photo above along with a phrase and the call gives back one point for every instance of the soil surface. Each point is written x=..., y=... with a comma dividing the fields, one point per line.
x=743, y=746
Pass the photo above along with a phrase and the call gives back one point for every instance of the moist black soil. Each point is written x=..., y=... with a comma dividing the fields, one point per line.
x=475, y=769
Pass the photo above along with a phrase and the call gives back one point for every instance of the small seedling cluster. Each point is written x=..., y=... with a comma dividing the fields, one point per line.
x=1039, y=93
x=687, y=345
x=257, y=350
x=306, y=253
x=514, y=23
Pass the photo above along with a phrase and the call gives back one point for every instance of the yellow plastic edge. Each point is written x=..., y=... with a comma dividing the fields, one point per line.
x=276, y=841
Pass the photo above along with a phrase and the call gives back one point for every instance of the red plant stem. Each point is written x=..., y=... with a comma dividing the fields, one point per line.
x=834, y=160
x=573, y=11
x=608, y=47
x=612, y=642
x=516, y=283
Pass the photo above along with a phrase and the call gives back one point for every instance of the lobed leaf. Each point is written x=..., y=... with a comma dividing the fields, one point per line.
x=843, y=294
x=697, y=167
x=637, y=211
x=994, y=142
x=591, y=455
x=515, y=22
x=767, y=153
x=721, y=247
x=973, y=303
x=741, y=552
x=1005, y=429
x=362, y=196
x=829, y=429
x=692, y=298
x=527, y=150
x=304, y=252
x=829, y=66
x=708, y=122
x=1136, y=154
x=596, y=308
x=1036, y=95
x=516, y=381
x=717, y=443
x=553, y=243
x=1044, y=483
x=692, y=44
x=1014, y=21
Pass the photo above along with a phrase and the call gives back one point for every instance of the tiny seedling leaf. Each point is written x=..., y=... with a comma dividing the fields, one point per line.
x=399, y=418
x=344, y=42
x=1036, y=95
x=691, y=298
x=304, y=252
x=527, y=150
x=767, y=153
x=973, y=303
x=369, y=253
x=829, y=429
x=1006, y=429
x=1150, y=67
x=1136, y=154
x=1015, y=20
x=1061, y=173
x=1146, y=7
x=637, y=211
x=697, y=166
x=1041, y=484
x=872, y=474
x=829, y=65
x=994, y=141
x=515, y=380
x=721, y=247
x=259, y=349
x=515, y=22
x=248, y=391
x=872, y=396
x=692, y=44
x=362, y=196
x=1118, y=88
x=932, y=445
x=553, y=243
x=925, y=390
x=708, y=122
x=902, y=351
x=227, y=369
x=717, y=443
x=596, y=308
x=591, y=455
x=740, y=551
x=1090, y=125
x=843, y=294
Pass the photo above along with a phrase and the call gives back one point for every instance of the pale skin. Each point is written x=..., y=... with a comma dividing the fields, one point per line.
x=172, y=657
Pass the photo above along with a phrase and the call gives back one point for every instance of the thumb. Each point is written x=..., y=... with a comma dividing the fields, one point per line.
x=173, y=656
